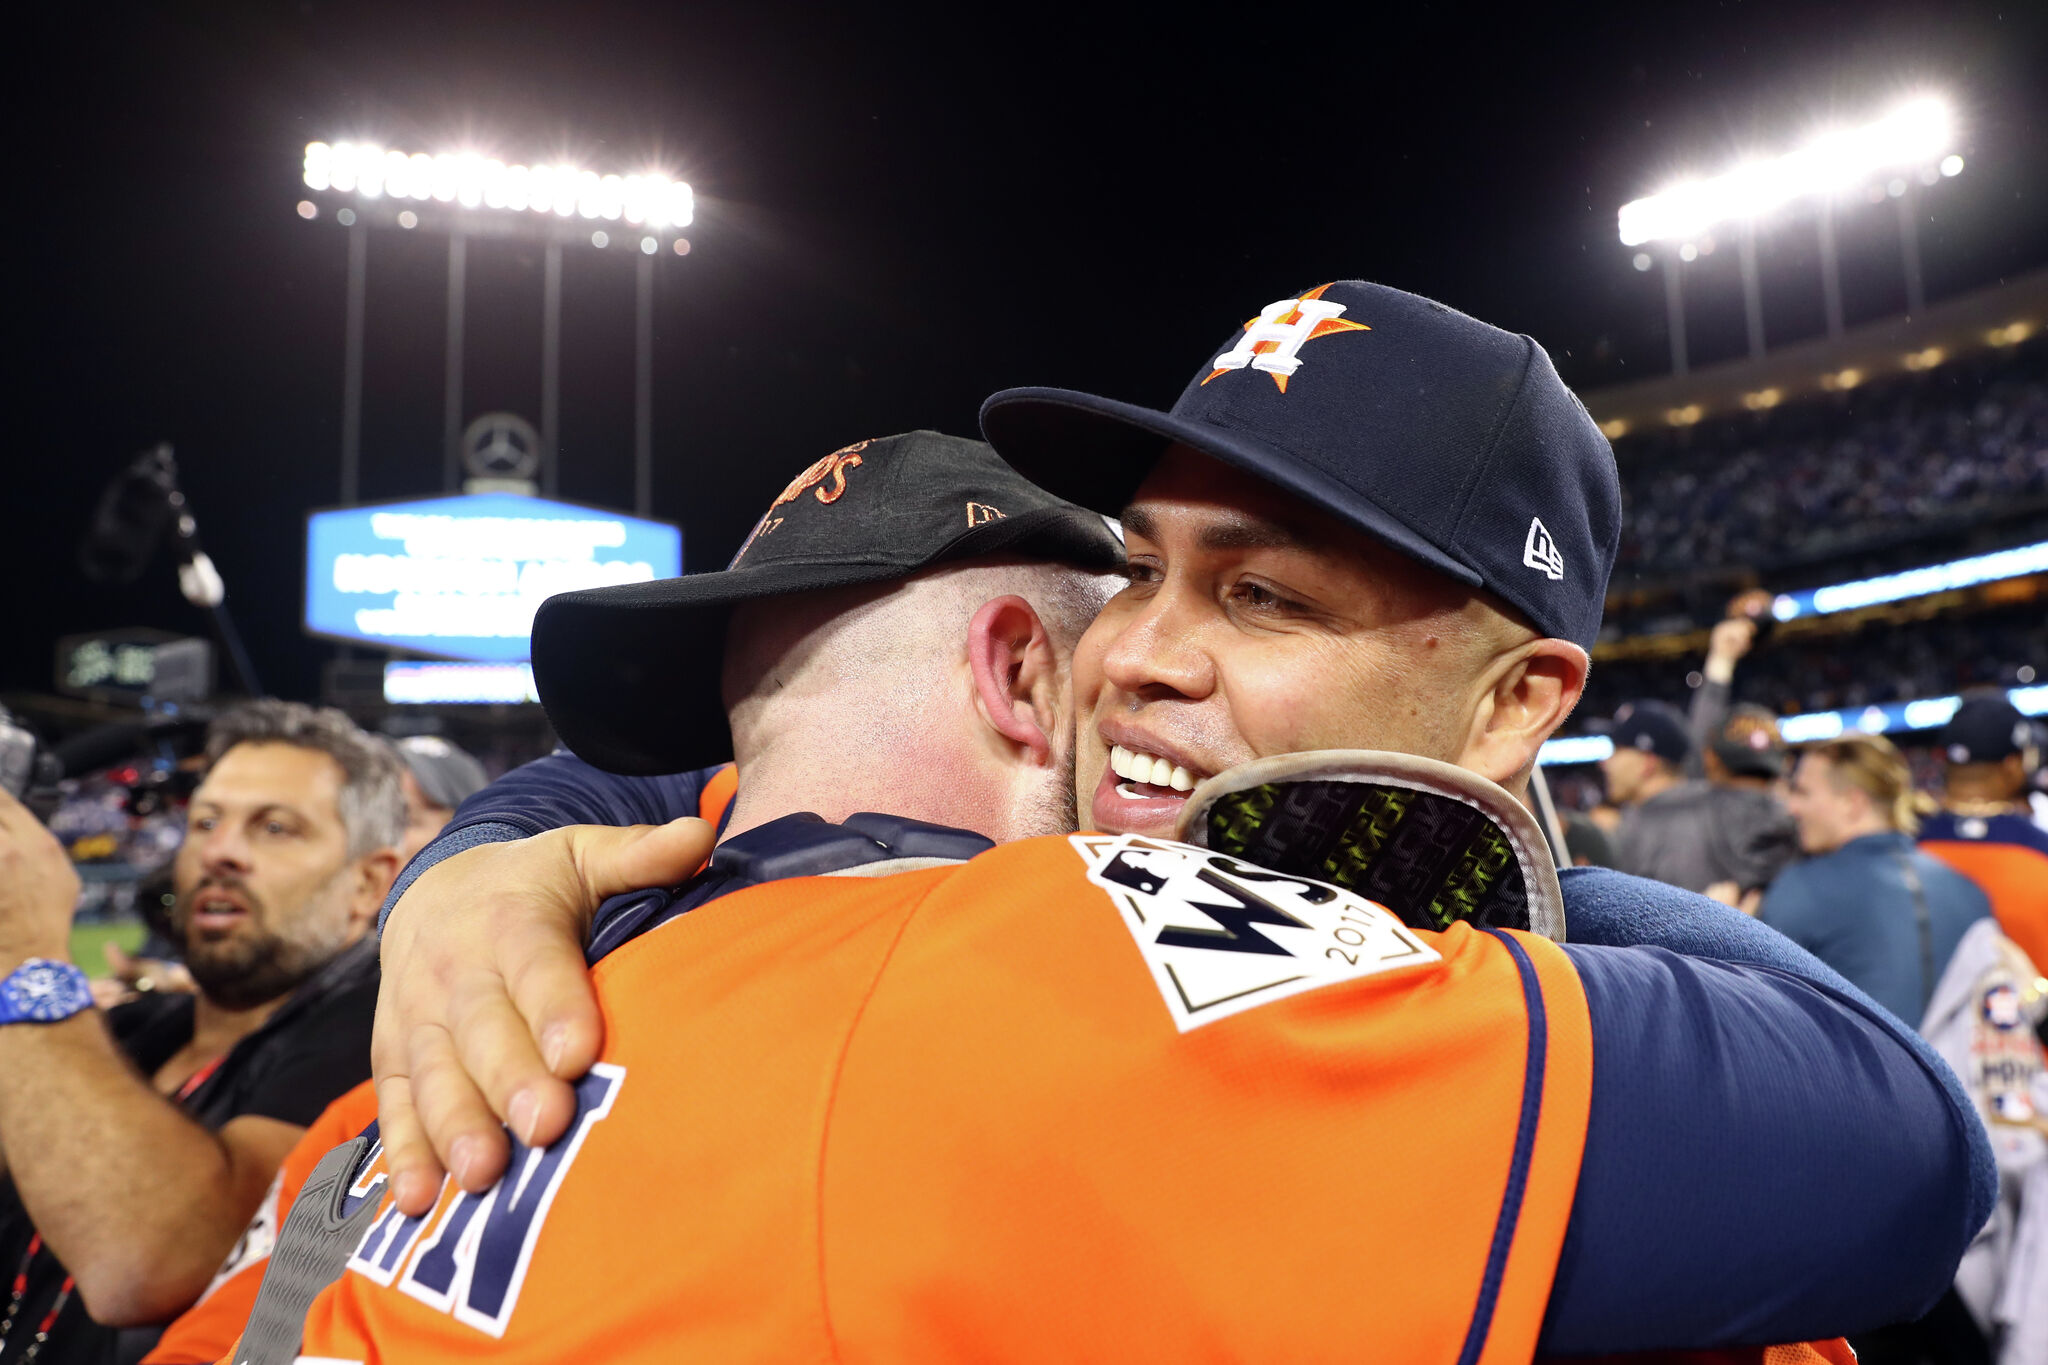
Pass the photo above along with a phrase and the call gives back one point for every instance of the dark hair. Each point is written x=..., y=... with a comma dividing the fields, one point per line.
x=371, y=803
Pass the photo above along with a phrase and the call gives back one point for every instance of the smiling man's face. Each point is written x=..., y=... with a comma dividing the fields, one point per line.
x=1256, y=625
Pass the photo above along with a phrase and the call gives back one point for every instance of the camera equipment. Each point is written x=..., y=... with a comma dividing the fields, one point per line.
x=26, y=767
x=138, y=506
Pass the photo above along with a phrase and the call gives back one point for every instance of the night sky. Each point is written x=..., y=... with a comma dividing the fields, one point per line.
x=900, y=210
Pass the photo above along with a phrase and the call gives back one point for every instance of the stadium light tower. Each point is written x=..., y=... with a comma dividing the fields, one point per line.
x=469, y=195
x=1915, y=140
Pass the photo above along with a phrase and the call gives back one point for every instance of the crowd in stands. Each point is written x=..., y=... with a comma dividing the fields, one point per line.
x=1880, y=662
x=1967, y=441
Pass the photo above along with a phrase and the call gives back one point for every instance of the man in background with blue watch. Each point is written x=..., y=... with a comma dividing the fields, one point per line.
x=134, y=1147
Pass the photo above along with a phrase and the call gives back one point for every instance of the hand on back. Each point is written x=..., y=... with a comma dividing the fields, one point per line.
x=486, y=1013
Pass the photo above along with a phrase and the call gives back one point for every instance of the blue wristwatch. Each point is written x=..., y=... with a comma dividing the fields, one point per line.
x=42, y=991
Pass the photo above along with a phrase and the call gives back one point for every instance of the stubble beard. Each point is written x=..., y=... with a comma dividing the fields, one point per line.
x=253, y=964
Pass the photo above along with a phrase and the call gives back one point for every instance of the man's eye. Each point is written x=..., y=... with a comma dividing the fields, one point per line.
x=276, y=827
x=1261, y=596
x=1140, y=572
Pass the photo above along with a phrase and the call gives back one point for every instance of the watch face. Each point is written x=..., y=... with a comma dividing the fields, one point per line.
x=43, y=990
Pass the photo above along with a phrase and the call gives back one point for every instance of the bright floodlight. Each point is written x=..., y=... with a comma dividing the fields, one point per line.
x=474, y=181
x=1918, y=133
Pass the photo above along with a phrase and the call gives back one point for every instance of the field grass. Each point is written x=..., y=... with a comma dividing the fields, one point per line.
x=88, y=942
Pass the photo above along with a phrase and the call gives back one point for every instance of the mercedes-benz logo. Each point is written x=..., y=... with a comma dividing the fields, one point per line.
x=501, y=445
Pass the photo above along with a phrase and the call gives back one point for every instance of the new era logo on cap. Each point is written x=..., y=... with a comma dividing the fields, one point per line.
x=1539, y=551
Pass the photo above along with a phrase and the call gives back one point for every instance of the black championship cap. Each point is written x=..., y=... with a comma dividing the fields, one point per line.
x=1653, y=727
x=1986, y=728
x=1750, y=743
x=630, y=674
x=1448, y=439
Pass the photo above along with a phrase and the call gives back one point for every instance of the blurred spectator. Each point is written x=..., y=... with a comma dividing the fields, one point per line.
x=1587, y=842
x=1868, y=902
x=1818, y=478
x=1686, y=831
x=138, y=1147
x=1880, y=661
x=437, y=777
x=1986, y=829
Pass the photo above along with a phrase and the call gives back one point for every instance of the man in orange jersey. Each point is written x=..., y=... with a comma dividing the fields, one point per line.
x=1985, y=828
x=938, y=1241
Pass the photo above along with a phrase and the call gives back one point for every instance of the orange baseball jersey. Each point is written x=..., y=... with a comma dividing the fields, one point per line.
x=2007, y=856
x=1084, y=1099
x=206, y=1329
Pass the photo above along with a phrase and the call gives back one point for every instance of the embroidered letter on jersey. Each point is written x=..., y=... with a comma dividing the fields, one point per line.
x=1222, y=936
x=471, y=1263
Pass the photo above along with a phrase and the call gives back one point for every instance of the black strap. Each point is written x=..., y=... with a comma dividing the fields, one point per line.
x=1925, y=923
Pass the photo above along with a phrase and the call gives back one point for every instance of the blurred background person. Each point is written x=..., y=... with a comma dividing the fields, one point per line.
x=1867, y=901
x=436, y=777
x=138, y=1143
x=1985, y=828
x=1728, y=838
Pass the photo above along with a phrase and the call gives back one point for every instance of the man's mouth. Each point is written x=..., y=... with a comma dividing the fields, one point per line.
x=215, y=909
x=1141, y=792
x=1140, y=769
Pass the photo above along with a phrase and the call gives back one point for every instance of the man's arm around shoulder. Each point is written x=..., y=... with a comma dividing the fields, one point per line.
x=1770, y=1155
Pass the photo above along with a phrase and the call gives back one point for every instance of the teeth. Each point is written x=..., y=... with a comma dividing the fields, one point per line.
x=1150, y=769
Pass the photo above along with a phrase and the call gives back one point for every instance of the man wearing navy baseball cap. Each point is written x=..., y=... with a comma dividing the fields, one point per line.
x=1369, y=521
x=1985, y=828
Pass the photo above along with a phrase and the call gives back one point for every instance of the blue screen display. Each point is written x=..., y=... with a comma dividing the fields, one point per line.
x=461, y=577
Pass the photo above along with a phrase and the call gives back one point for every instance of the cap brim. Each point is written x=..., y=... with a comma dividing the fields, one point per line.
x=629, y=675
x=1096, y=452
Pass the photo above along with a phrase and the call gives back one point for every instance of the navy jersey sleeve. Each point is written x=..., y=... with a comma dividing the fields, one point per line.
x=549, y=793
x=1769, y=1157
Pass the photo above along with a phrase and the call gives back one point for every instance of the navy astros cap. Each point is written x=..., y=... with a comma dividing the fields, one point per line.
x=1451, y=440
x=1986, y=729
x=630, y=674
x=1653, y=727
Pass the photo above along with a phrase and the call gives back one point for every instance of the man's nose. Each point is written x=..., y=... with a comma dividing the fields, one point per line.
x=1159, y=652
x=224, y=848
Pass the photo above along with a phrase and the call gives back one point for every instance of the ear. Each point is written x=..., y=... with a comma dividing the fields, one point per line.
x=375, y=871
x=1533, y=688
x=1016, y=674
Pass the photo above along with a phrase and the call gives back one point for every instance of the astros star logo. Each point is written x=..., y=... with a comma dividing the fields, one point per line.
x=1272, y=341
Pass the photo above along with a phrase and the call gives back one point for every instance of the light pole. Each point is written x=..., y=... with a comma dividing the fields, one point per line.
x=1752, y=292
x=1914, y=136
x=469, y=196
x=1674, y=311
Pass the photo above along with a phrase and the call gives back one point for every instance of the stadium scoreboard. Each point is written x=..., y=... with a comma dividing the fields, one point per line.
x=461, y=577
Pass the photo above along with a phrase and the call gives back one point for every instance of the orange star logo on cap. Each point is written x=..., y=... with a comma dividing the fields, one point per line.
x=1273, y=340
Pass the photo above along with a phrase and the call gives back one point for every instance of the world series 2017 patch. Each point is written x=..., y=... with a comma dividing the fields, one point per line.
x=1222, y=936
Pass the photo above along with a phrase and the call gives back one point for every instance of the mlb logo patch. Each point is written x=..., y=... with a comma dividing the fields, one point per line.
x=1222, y=936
